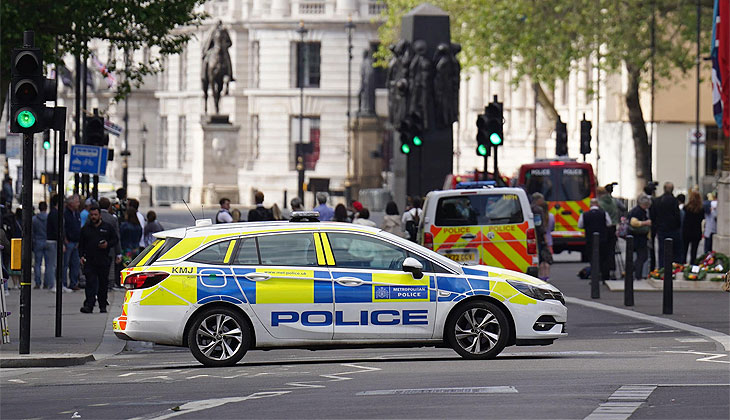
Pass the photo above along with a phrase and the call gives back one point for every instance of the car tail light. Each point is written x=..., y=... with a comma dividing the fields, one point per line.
x=531, y=242
x=145, y=279
x=428, y=240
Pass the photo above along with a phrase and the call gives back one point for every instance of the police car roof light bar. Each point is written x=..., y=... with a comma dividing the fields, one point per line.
x=304, y=216
x=475, y=184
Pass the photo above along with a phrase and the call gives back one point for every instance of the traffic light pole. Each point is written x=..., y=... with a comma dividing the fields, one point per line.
x=26, y=263
x=62, y=150
x=496, y=166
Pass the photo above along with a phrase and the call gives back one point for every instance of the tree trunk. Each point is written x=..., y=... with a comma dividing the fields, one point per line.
x=546, y=103
x=638, y=129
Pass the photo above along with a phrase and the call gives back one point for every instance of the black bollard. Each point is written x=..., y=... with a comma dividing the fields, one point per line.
x=668, y=302
x=629, y=274
x=595, y=266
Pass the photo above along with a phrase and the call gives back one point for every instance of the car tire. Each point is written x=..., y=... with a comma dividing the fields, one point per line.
x=219, y=337
x=478, y=330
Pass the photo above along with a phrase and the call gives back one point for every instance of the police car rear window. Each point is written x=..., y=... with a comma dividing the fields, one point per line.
x=166, y=246
x=479, y=209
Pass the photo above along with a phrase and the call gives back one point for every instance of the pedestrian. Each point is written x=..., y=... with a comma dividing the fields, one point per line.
x=665, y=218
x=130, y=232
x=363, y=218
x=121, y=207
x=72, y=230
x=52, y=240
x=95, y=239
x=84, y=214
x=710, y=223
x=596, y=220
x=41, y=251
x=326, y=213
x=7, y=192
x=692, y=226
x=259, y=213
x=392, y=220
x=608, y=204
x=540, y=219
x=341, y=214
x=153, y=226
x=549, y=228
x=296, y=204
x=236, y=215
x=355, y=207
x=640, y=229
x=224, y=213
x=134, y=203
x=115, y=248
x=5, y=251
x=276, y=212
x=412, y=218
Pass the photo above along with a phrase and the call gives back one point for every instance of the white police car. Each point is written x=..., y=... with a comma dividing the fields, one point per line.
x=225, y=289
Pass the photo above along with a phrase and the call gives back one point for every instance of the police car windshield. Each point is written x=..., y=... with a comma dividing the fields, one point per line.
x=559, y=184
x=479, y=210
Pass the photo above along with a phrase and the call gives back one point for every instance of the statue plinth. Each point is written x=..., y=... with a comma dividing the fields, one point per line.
x=215, y=162
x=367, y=170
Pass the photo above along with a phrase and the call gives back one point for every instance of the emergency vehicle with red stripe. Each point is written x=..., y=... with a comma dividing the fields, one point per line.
x=568, y=187
x=487, y=226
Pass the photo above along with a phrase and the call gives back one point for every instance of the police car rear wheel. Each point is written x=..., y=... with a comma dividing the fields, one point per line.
x=478, y=330
x=219, y=337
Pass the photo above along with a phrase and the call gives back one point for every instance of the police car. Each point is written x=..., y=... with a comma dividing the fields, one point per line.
x=224, y=289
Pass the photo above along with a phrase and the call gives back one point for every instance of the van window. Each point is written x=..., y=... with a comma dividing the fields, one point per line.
x=484, y=209
x=559, y=184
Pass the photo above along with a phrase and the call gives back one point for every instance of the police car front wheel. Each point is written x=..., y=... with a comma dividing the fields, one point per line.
x=219, y=337
x=478, y=330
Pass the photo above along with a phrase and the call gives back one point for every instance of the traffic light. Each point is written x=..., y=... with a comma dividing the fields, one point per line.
x=46, y=139
x=405, y=142
x=490, y=128
x=561, y=138
x=29, y=89
x=94, y=130
x=585, y=136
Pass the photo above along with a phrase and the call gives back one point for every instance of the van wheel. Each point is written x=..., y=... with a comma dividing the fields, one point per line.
x=219, y=337
x=478, y=330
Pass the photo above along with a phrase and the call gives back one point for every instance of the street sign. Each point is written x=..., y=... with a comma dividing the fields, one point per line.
x=113, y=129
x=88, y=159
x=694, y=135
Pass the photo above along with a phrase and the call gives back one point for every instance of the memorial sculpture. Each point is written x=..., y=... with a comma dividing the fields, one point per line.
x=217, y=69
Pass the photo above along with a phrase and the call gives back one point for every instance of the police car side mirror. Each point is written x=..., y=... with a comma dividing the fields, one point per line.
x=413, y=266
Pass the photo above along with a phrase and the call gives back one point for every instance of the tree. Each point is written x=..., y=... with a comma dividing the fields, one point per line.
x=546, y=39
x=126, y=25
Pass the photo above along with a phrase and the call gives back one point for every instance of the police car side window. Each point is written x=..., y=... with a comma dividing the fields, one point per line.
x=248, y=254
x=288, y=249
x=358, y=251
x=213, y=254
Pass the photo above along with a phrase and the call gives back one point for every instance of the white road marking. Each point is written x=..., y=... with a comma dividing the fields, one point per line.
x=123, y=375
x=710, y=356
x=463, y=390
x=17, y=381
x=194, y=406
x=721, y=338
x=692, y=340
x=335, y=377
x=645, y=330
x=622, y=403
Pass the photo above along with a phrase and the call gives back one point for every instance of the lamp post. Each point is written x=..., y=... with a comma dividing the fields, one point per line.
x=144, y=152
x=299, y=150
x=125, y=151
x=349, y=27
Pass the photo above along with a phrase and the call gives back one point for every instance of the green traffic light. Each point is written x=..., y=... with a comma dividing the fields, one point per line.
x=26, y=119
x=405, y=149
x=47, y=145
x=495, y=139
x=417, y=141
x=482, y=150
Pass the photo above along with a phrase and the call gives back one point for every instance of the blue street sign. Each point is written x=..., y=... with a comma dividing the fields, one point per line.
x=87, y=159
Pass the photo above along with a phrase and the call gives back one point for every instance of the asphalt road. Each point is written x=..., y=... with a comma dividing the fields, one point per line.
x=609, y=367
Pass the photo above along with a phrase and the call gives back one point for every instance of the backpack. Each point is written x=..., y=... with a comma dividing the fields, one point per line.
x=412, y=225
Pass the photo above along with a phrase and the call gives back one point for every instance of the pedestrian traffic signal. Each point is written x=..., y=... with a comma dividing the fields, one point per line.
x=29, y=89
x=561, y=138
x=46, y=139
x=585, y=136
x=94, y=130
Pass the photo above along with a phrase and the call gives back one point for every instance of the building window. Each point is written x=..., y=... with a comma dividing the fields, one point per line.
x=255, y=64
x=162, y=143
x=564, y=92
x=311, y=7
x=376, y=7
x=310, y=140
x=589, y=79
x=182, y=70
x=254, y=150
x=307, y=64
x=182, y=144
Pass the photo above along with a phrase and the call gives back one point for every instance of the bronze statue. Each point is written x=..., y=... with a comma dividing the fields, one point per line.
x=367, y=85
x=420, y=83
x=446, y=84
x=217, y=69
x=397, y=83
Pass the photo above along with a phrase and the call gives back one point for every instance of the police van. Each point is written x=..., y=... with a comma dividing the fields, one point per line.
x=224, y=289
x=484, y=225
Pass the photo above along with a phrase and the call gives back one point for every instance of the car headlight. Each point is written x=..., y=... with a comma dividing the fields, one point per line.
x=536, y=292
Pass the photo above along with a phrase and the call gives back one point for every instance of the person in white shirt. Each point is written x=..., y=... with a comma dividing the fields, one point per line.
x=224, y=214
x=412, y=218
x=363, y=218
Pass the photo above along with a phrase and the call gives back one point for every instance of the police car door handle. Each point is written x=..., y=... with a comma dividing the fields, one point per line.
x=349, y=281
x=468, y=236
x=257, y=276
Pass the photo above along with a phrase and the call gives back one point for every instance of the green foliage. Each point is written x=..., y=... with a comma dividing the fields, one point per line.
x=127, y=25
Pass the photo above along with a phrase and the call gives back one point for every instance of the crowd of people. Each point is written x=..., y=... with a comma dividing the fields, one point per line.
x=99, y=238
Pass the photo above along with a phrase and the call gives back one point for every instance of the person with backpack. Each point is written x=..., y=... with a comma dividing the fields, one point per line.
x=412, y=218
x=596, y=220
x=260, y=213
x=640, y=229
x=224, y=214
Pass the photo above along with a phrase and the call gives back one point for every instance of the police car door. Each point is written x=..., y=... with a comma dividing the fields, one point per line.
x=290, y=291
x=374, y=297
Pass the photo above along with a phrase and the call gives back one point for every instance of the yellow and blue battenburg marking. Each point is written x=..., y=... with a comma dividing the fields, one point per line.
x=500, y=290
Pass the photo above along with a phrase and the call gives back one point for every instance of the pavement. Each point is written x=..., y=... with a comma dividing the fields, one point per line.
x=88, y=337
